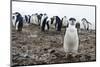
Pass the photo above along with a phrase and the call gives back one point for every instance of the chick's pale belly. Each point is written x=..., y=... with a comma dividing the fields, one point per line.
x=71, y=40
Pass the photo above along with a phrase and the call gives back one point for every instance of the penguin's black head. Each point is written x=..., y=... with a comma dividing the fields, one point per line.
x=17, y=14
x=65, y=16
x=72, y=21
x=84, y=19
x=45, y=14
x=36, y=13
x=41, y=14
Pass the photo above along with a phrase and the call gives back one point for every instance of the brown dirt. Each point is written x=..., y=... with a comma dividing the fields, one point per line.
x=33, y=47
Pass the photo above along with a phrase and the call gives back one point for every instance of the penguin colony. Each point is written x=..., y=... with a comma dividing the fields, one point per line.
x=71, y=39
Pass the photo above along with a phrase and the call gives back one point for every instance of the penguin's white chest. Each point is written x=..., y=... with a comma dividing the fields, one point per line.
x=71, y=33
x=71, y=40
x=64, y=22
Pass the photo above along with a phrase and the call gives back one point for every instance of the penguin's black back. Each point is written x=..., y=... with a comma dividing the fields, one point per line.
x=44, y=23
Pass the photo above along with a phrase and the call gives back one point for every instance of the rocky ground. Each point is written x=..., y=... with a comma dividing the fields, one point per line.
x=33, y=47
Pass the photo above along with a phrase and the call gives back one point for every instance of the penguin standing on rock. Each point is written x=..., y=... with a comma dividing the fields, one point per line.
x=86, y=24
x=58, y=23
x=44, y=23
x=17, y=21
x=71, y=39
x=64, y=21
x=55, y=22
